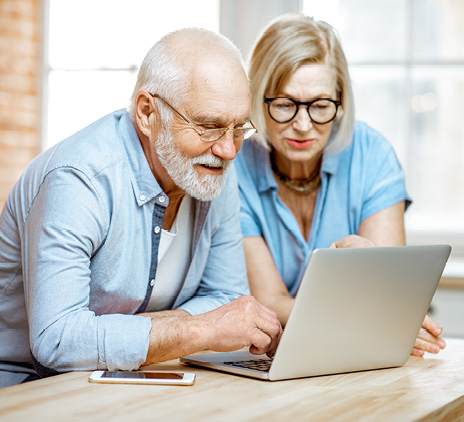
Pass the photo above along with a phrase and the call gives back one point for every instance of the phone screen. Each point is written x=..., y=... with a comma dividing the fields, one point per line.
x=142, y=375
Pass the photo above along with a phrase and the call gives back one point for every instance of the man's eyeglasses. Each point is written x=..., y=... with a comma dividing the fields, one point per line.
x=211, y=135
x=320, y=110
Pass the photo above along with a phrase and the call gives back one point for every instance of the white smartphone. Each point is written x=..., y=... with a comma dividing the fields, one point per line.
x=143, y=377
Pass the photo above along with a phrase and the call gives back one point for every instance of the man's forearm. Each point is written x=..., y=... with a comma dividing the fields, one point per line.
x=241, y=323
x=173, y=334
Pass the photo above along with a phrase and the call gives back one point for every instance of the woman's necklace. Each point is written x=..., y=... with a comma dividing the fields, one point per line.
x=306, y=185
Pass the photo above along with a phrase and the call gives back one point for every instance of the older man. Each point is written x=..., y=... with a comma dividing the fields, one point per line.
x=121, y=245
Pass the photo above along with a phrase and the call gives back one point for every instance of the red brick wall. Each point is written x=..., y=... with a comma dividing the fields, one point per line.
x=20, y=66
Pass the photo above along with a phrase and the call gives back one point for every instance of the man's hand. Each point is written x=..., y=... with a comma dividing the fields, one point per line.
x=351, y=241
x=428, y=339
x=243, y=322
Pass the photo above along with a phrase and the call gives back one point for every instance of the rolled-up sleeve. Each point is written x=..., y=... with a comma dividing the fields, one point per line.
x=65, y=227
x=384, y=183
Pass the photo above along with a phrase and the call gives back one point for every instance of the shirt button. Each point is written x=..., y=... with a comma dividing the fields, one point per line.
x=157, y=229
x=152, y=282
x=142, y=197
x=161, y=199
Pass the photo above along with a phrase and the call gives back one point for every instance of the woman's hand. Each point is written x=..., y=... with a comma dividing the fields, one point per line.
x=266, y=285
x=351, y=241
x=428, y=339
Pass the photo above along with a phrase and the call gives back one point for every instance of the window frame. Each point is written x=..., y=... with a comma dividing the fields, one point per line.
x=237, y=8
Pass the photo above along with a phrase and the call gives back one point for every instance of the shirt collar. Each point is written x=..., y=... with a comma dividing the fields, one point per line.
x=266, y=179
x=330, y=161
x=144, y=183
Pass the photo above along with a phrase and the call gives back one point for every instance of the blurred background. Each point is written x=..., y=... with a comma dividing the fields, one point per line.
x=66, y=63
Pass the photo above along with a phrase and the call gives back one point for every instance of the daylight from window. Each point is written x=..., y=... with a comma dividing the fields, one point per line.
x=407, y=67
x=406, y=62
x=93, y=67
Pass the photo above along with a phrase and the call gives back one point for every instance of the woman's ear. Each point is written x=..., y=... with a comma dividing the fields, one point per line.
x=146, y=113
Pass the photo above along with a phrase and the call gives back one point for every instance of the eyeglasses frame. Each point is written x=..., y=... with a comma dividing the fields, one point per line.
x=298, y=104
x=199, y=131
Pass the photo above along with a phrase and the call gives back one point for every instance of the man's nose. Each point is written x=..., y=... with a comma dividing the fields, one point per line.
x=226, y=147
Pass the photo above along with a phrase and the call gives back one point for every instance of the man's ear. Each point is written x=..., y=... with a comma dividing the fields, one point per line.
x=146, y=113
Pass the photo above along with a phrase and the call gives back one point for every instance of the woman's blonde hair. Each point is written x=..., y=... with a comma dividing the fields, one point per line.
x=283, y=46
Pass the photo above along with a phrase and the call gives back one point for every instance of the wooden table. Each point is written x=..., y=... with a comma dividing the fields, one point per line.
x=453, y=282
x=424, y=389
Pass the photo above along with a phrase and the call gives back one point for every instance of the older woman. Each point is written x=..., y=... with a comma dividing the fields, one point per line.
x=314, y=177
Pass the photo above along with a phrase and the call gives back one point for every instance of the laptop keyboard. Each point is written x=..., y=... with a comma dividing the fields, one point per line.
x=262, y=365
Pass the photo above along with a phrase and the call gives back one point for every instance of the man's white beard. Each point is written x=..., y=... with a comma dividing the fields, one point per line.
x=180, y=169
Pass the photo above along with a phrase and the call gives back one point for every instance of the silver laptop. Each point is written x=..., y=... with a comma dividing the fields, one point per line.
x=356, y=309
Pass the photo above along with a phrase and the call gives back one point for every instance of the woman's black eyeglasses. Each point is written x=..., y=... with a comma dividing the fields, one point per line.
x=320, y=110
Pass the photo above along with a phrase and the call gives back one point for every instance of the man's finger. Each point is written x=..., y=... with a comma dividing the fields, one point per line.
x=260, y=343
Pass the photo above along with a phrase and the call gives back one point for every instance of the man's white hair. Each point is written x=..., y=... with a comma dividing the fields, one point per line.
x=167, y=66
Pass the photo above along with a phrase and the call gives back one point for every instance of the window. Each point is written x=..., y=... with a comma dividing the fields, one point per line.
x=95, y=49
x=406, y=61
x=407, y=66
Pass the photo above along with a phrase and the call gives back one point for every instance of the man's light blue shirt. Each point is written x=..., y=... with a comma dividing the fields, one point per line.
x=357, y=182
x=79, y=239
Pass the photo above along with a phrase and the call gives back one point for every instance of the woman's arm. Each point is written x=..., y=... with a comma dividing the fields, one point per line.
x=386, y=227
x=266, y=284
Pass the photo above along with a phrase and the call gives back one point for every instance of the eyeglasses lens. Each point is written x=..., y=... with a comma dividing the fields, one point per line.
x=320, y=111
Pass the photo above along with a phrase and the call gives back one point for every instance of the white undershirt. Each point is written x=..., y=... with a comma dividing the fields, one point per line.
x=173, y=258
